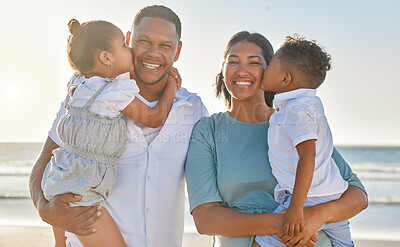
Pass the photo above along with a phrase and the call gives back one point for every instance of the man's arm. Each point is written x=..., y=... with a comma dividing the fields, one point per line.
x=57, y=212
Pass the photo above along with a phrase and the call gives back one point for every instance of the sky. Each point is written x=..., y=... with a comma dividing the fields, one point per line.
x=360, y=94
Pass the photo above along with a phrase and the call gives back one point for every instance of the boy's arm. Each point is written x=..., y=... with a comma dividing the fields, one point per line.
x=57, y=212
x=154, y=117
x=304, y=175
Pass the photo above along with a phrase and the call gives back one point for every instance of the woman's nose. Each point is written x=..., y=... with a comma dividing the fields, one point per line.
x=242, y=69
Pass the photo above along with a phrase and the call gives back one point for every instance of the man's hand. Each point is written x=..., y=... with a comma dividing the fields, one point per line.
x=77, y=220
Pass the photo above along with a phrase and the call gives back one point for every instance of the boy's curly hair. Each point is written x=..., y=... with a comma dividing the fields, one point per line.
x=307, y=57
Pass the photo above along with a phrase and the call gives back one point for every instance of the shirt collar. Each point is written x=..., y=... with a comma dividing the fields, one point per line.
x=182, y=97
x=301, y=92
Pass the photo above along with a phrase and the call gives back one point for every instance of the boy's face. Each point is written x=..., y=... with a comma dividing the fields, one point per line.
x=155, y=48
x=273, y=76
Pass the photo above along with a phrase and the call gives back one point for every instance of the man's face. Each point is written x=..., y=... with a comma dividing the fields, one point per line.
x=155, y=48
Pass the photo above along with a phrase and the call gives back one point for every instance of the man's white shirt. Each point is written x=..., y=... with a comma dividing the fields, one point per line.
x=147, y=201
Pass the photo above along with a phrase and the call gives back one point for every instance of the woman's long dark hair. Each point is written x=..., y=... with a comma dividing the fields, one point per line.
x=268, y=52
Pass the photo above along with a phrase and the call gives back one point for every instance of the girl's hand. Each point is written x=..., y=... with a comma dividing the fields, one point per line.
x=175, y=77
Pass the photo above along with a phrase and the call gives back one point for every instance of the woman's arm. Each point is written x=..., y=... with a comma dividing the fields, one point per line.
x=57, y=212
x=204, y=195
x=155, y=117
x=352, y=202
x=212, y=219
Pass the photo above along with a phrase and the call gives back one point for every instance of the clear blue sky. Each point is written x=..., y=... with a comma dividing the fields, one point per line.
x=360, y=94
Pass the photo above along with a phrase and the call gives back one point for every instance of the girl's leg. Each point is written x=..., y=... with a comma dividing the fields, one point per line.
x=59, y=237
x=107, y=233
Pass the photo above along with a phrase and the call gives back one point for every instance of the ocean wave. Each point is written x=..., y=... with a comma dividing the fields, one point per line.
x=384, y=200
x=376, y=167
x=383, y=176
x=14, y=195
x=15, y=171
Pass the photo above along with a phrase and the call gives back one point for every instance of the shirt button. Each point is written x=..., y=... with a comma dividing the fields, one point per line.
x=147, y=209
x=148, y=176
x=277, y=109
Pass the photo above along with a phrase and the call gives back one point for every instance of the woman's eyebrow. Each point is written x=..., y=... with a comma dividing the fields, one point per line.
x=254, y=57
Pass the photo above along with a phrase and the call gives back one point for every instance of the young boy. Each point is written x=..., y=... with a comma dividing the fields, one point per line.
x=300, y=141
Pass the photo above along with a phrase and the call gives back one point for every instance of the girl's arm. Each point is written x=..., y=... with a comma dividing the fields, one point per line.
x=304, y=173
x=154, y=117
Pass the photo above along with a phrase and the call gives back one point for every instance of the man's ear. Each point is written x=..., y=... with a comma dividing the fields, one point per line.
x=178, y=51
x=128, y=38
x=287, y=79
x=106, y=58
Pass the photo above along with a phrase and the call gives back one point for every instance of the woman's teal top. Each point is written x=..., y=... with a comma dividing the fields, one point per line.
x=227, y=162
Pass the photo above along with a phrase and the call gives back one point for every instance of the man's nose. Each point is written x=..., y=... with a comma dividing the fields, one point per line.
x=153, y=51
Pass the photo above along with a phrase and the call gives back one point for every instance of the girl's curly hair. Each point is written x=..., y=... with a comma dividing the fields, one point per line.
x=307, y=57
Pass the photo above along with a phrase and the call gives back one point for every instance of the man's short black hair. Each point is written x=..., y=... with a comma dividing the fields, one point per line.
x=159, y=11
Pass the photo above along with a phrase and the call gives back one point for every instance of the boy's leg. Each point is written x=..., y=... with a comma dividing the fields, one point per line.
x=59, y=237
x=339, y=233
x=107, y=233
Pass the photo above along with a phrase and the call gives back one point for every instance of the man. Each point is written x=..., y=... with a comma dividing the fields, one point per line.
x=147, y=202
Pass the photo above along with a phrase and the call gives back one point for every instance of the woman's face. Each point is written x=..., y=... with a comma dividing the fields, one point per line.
x=243, y=70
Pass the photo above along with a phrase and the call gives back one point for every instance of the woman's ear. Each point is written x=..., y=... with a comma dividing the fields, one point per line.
x=106, y=58
x=287, y=79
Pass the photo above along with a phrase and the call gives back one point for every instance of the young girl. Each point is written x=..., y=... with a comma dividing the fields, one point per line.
x=300, y=141
x=93, y=130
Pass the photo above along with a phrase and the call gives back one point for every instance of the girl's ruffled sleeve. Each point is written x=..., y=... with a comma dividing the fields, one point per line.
x=118, y=95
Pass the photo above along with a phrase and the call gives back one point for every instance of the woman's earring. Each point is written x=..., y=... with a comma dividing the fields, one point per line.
x=110, y=65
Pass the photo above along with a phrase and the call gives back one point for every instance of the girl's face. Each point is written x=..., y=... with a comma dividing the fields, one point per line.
x=122, y=55
x=243, y=70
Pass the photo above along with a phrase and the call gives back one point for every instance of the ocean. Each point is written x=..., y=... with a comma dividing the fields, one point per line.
x=377, y=167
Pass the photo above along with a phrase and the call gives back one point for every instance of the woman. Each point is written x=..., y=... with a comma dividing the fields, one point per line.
x=229, y=179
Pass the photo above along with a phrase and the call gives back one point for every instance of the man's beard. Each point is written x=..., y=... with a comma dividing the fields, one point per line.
x=150, y=83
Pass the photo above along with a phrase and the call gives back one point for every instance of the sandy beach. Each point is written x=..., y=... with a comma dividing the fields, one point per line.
x=20, y=226
x=21, y=236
